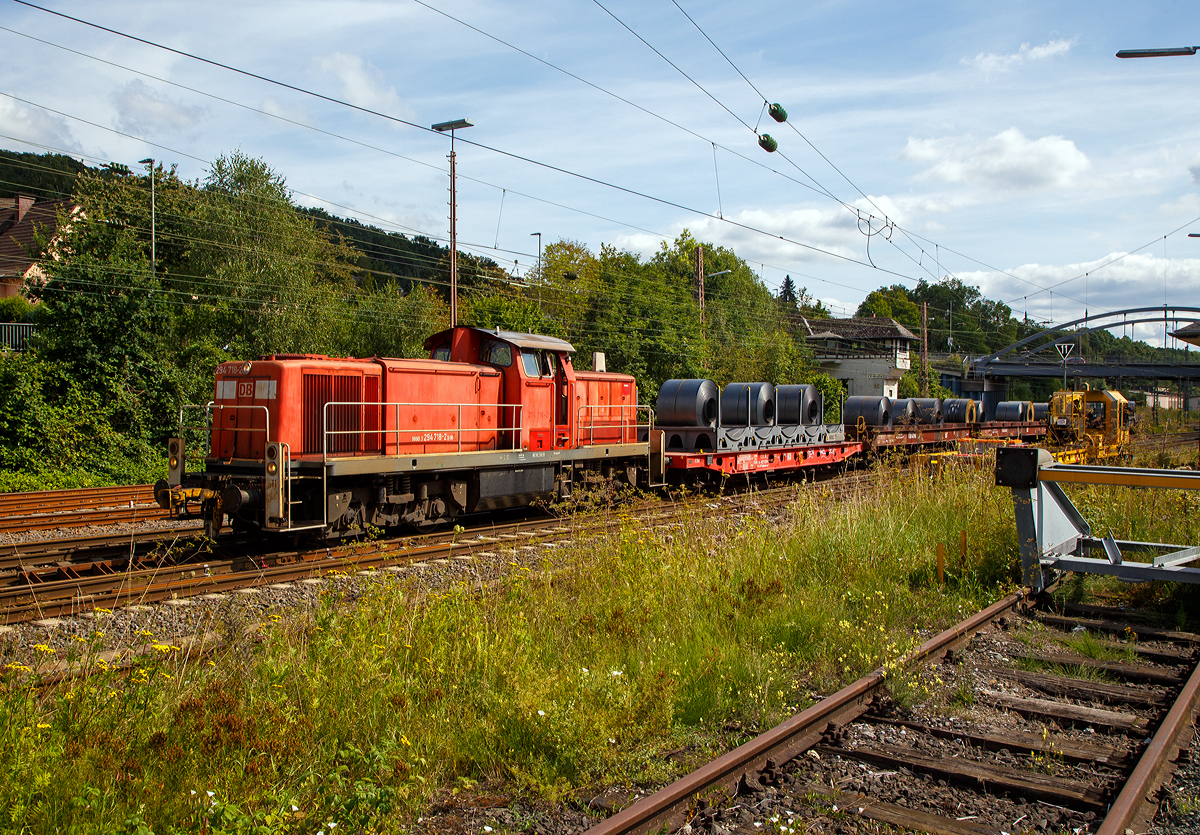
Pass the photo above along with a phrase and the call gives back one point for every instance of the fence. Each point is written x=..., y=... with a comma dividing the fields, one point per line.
x=14, y=335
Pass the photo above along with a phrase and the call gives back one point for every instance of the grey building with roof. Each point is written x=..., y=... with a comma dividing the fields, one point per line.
x=868, y=354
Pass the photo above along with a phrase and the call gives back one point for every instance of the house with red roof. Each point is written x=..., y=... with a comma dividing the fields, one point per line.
x=22, y=219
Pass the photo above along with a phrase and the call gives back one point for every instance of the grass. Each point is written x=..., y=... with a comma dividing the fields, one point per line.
x=1088, y=645
x=559, y=681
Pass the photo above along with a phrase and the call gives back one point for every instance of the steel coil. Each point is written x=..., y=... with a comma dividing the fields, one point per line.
x=803, y=405
x=904, y=412
x=875, y=411
x=687, y=403
x=1014, y=411
x=929, y=410
x=748, y=404
x=960, y=410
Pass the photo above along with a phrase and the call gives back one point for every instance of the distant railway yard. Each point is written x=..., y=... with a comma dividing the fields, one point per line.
x=799, y=658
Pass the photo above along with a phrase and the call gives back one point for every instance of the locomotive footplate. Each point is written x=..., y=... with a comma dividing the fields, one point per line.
x=770, y=461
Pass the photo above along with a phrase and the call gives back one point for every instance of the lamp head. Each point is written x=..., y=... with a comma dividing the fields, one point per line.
x=1164, y=52
x=457, y=124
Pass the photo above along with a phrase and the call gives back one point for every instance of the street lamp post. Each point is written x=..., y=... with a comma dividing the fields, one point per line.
x=150, y=161
x=539, y=237
x=441, y=127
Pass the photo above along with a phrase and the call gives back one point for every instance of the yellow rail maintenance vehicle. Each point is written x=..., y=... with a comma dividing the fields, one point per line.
x=1088, y=426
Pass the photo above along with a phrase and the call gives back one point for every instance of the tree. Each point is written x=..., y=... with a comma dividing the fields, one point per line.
x=789, y=305
x=121, y=343
x=895, y=302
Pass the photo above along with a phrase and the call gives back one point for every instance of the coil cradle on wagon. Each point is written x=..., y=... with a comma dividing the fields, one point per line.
x=912, y=424
x=327, y=446
x=757, y=428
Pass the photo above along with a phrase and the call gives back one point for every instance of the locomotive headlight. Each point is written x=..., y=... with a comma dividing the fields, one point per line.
x=272, y=468
x=174, y=461
x=245, y=368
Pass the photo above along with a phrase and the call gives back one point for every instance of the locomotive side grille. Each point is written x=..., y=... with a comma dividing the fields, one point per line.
x=320, y=389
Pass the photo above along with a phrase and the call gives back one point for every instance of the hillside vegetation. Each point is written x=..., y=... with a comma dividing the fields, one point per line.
x=241, y=271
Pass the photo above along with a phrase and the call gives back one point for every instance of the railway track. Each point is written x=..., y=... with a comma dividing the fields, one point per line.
x=115, y=547
x=1062, y=720
x=1149, y=443
x=59, y=509
x=67, y=578
x=54, y=509
x=72, y=588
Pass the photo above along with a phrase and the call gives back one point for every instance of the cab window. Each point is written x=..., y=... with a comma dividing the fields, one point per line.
x=442, y=354
x=496, y=353
x=531, y=362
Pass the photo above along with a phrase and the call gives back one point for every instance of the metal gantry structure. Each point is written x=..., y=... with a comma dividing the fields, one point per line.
x=1054, y=536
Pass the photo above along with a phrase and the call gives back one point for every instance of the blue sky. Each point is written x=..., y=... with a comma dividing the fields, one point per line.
x=1004, y=143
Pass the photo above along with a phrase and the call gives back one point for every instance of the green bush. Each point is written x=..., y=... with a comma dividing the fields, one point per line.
x=15, y=309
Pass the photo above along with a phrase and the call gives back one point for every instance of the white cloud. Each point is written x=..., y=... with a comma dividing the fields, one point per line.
x=1187, y=205
x=1194, y=169
x=274, y=107
x=362, y=83
x=990, y=62
x=36, y=126
x=142, y=112
x=1007, y=161
x=832, y=229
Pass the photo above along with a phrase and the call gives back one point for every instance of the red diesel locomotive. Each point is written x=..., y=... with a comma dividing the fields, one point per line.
x=493, y=419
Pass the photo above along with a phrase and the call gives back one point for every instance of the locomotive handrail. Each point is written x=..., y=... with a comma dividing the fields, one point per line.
x=383, y=431
x=208, y=421
x=622, y=424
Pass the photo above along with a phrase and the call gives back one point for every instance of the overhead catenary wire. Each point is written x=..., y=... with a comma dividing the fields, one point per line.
x=443, y=283
x=696, y=211
x=169, y=236
x=903, y=231
x=353, y=141
x=755, y=130
x=718, y=217
x=816, y=186
x=433, y=262
x=411, y=257
x=510, y=154
x=831, y=164
x=435, y=236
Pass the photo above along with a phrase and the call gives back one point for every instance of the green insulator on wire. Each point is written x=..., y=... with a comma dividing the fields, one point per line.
x=768, y=144
x=777, y=112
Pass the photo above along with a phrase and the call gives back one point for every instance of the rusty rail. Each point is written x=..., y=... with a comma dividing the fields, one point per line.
x=667, y=806
x=1131, y=804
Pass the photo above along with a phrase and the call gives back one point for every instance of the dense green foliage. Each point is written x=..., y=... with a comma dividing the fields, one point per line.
x=643, y=314
x=240, y=271
x=122, y=343
x=16, y=309
x=45, y=176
